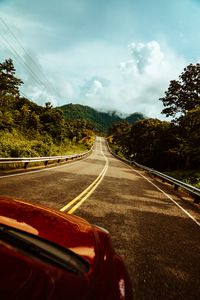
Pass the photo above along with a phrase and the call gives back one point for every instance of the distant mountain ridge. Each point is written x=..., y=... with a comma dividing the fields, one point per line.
x=100, y=120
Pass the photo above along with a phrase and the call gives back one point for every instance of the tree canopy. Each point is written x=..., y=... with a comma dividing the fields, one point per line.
x=183, y=95
x=9, y=83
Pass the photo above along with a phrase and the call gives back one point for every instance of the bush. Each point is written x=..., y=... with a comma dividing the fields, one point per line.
x=14, y=144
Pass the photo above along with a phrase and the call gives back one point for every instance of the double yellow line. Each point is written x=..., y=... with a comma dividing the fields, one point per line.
x=76, y=202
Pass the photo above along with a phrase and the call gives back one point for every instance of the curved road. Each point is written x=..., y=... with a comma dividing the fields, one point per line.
x=154, y=228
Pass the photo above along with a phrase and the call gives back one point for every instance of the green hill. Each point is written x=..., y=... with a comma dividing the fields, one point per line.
x=135, y=117
x=101, y=121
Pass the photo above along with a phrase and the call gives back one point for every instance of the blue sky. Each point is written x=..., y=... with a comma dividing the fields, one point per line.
x=109, y=54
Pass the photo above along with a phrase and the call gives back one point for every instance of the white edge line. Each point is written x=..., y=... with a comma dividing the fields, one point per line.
x=185, y=211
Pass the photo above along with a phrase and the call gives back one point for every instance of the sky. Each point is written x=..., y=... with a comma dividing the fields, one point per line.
x=113, y=55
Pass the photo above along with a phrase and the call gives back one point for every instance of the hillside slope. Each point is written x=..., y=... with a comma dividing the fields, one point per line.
x=100, y=120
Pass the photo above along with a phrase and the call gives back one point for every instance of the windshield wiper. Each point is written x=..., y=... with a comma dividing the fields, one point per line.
x=45, y=250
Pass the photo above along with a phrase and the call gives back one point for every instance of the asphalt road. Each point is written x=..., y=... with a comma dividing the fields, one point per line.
x=159, y=242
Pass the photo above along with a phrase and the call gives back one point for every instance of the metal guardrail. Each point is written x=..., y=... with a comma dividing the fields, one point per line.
x=193, y=191
x=45, y=159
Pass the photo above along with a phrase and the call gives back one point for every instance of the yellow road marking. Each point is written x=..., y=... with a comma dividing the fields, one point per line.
x=76, y=202
x=88, y=194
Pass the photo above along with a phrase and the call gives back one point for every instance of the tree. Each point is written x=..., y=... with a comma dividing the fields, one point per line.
x=120, y=133
x=6, y=120
x=48, y=105
x=190, y=134
x=154, y=143
x=183, y=95
x=9, y=84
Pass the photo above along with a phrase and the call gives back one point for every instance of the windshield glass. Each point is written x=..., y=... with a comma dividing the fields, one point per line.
x=44, y=249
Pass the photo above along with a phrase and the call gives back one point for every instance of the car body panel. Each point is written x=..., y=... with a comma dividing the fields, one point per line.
x=26, y=277
x=51, y=225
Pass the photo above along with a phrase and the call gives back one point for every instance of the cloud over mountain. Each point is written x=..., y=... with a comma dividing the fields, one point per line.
x=139, y=81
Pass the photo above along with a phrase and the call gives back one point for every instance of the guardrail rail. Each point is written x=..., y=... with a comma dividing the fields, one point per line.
x=27, y=160
x=193, y=191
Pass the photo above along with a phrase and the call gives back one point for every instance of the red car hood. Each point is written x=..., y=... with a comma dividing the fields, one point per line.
x=66, y=230
x=25, y=278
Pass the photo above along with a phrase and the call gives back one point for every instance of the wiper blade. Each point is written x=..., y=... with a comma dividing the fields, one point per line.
x=44, y=250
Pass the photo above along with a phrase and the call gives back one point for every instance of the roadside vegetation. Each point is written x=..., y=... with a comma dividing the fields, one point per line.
x=28, y=130
x=171, y=147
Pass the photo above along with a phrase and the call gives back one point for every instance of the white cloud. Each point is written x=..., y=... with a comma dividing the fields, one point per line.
x=57, y=90
x=94, y=89
x=146, y=55
x=137, y=83
x=146, y=76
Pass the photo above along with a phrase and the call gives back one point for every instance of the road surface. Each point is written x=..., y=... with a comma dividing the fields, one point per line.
x=153, y=228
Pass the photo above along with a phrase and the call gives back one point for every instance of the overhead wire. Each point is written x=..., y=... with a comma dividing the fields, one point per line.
x=44, y=83
x=19, y=59
x=22, y=47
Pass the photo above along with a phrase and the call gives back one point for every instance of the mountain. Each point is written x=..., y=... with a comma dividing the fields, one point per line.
x=135, y=117
x=101, y=121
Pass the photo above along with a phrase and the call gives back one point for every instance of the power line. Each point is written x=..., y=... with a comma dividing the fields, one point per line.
x=21, y=60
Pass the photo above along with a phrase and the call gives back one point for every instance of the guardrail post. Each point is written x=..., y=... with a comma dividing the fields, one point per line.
x=25, y=165
x=46, y=162
x=176, y=187
x=196, y=199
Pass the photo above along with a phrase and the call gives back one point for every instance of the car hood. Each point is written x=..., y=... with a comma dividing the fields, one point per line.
x=65, y=230
x=28, y=278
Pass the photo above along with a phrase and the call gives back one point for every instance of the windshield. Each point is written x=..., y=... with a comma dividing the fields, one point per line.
x=43, y=249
